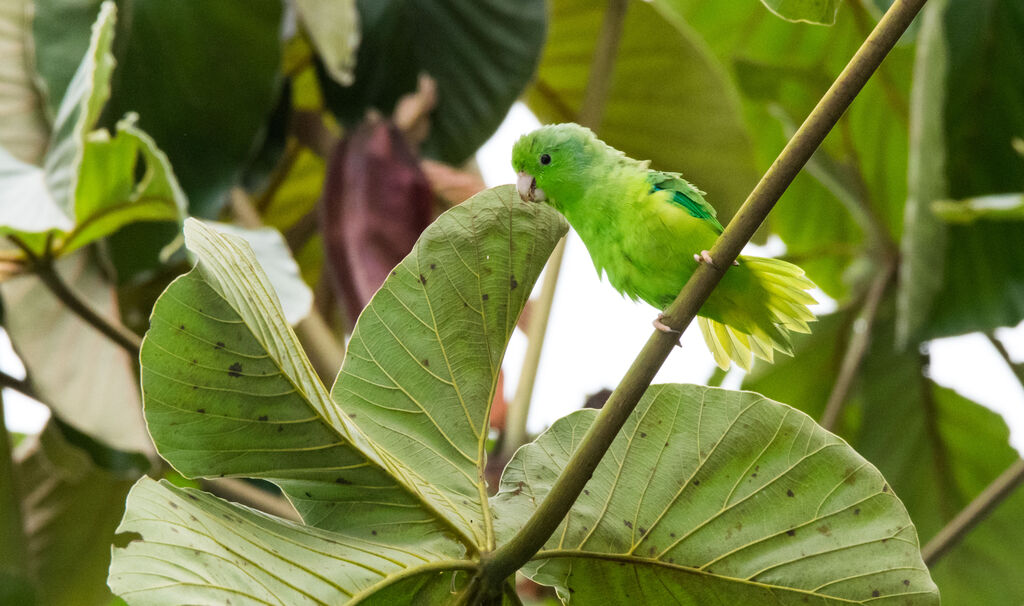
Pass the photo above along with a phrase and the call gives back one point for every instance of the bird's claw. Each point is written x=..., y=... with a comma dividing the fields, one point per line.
x=705, y=257
x=658, y=324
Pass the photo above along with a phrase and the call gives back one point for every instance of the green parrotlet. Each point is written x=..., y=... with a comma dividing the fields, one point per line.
x=648, y=231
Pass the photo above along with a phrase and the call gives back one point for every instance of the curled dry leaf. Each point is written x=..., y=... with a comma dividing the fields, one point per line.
x=376, y=201
x=451, y=184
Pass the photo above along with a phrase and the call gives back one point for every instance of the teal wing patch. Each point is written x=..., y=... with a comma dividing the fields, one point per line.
x=684, y=195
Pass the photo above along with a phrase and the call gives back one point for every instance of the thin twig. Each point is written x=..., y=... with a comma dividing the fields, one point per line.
x=20, y=385
x=519, y=407
x=247, y=494
x=857, y=347
x=590, y=115
x=1016, y=367
x=46, y=271
x=976, y=511
x=508, y=558
x=13, y=546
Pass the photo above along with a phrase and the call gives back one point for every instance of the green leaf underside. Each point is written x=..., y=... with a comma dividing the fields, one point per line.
x=652, y=111
x=709, y=496
x=198, y=549
x=415, y=379
x=227, y=390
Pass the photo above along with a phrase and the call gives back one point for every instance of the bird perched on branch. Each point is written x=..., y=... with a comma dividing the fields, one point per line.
x=649, y=231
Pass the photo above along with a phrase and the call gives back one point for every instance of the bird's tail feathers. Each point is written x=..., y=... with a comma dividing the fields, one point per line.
x=782, y=311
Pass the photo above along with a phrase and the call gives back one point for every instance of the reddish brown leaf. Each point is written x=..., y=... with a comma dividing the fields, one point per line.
x=376, y=201
x=452, y=184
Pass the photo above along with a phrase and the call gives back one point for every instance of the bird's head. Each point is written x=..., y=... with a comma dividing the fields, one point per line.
x=549, y=162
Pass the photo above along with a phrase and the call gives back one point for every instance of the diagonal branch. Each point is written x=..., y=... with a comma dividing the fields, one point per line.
x=1016, y=367
x=503, y=562
x=976, y=511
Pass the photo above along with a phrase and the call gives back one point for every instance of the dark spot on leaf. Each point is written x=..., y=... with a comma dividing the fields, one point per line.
x=696, y=482
x=651, y=550
x=193, y=518
x=423, y=279
x=341, y=481
x=885, y=488
x=671, y=560
x=884, y=540
x=789, y=493
x=219, y=345
x=172, y=504
x=426, y=362
x=352, y=415
x=643, y=435
x=309, y=496
x=672, y=534
x=586, y=492
x=753, y=475
x=262, y=418
x=235, y=370
x=642, y=530
x=373, y=532
x=856, y=512
x=513, y=283
x=201, y=411
x=825, y=529
x=192, y=496
x=464, y=304
x=181, y=327
x=906, y=582
x=791, y=532
x=433, y=266
x=173, y=529
x=394, y=273
x=280, y=428
x=195, y=387
x=876, y=593
x=628, y=524
x=195, y=361
x=484, y=297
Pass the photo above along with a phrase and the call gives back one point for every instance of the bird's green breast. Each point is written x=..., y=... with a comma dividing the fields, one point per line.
x=642, y=241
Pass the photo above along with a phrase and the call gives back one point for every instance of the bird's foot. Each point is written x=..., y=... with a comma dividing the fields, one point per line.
x=705, y=257
x=658, y=324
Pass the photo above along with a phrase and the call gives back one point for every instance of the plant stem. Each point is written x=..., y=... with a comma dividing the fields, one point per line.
x=44, y=268
x=590, y=115
x=1016, y=367
x=976, y=511
x=20, y=385
x=519, y=408
x=504, y=561
x=857, y=347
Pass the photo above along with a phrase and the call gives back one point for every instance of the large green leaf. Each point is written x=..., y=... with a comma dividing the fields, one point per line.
x=411, y=379
x=91, y=183
x=961, y=278
x=206, y=114
x=221, y=371
x=480, y=52
x=23, y=126
x=60, y=30
x=198, y=549
x=87, y=379
x=669, y=101
x=710, y=495
x=70, y=507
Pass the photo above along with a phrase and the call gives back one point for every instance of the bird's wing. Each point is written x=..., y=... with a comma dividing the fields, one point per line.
x=684, y=195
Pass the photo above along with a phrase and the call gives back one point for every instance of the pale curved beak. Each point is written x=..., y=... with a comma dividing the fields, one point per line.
x=526, y=185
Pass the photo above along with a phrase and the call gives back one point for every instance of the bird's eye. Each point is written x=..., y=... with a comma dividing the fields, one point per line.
x=545, y=159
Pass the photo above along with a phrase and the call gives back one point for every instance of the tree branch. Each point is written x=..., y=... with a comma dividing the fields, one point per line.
x=503, y=562
x=976, y=511
x=44, y=268
x=857, y=347
x=1016, y=367
x=22, y=386
x=13, y=546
